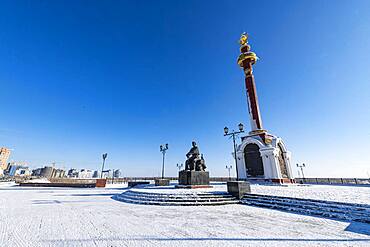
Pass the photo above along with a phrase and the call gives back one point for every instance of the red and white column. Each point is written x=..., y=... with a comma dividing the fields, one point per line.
x=246, y=59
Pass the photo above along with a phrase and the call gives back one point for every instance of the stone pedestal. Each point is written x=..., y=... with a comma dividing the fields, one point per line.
x=238, y=188
x=193, y=178
x=161, y=182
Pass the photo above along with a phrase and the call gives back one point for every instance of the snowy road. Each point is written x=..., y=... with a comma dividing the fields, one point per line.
x=90, y=217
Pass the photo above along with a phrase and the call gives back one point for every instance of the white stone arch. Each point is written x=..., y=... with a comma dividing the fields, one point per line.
x=242, y=171
x=250, y=140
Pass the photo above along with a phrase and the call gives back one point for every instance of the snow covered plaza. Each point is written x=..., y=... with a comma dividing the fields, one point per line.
x=92, y=217
x=184, y=123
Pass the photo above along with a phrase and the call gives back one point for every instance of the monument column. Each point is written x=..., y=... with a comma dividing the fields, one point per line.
x=259, y=151
x=245, y=60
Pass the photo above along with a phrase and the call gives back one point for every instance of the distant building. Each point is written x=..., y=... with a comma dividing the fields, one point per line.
x=36, y=172
x=58, y=173
x=117, y=173
x=4, y=156
x=72, y=173
x=85, y=173
x=12, y=168
x=23, y=171
x=19, y=170
x=47, y=172
x=96, y=174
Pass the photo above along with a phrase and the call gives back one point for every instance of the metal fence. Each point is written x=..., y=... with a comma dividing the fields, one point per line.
x=126, y=179
x=333, y=180
x=344, y=181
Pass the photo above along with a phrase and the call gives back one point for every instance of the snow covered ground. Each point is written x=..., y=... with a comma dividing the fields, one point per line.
x=351, y=193
x=90, y=217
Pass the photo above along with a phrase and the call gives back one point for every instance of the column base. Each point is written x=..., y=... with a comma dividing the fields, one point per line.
x=238, y=188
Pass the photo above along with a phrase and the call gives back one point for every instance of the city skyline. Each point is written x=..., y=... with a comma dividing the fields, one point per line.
x=82, y=80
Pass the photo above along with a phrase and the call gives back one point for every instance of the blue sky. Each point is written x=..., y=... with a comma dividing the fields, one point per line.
x=79, y=78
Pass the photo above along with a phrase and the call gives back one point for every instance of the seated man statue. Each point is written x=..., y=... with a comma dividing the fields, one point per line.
x=193, y=156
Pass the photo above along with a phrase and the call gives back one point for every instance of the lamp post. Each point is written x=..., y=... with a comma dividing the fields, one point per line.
x=233, y=134
x=301, y=166
x=163, y=149
x=102, y=168
x=229, y=168
x=179, y=166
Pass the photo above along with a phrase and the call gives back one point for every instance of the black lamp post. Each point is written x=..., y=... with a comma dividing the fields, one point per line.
x=179, y=166
x=229, y=168
x=233, y=134
x=163, y=149
x=102, y=168
x=301, y=166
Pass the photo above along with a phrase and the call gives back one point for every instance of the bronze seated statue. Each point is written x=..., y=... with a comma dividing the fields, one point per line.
x=195, y=161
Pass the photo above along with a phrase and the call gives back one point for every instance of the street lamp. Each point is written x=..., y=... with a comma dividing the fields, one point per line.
x=179, y=166
x=301, y=166
x=229, y=168
x=163, y=149
x=233, y=134
x=102, y=168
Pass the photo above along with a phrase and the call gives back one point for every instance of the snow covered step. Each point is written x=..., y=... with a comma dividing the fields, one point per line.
x=198, y=194
x=338, y=210
x=177, y=199
x=178, y=195
x=169, y=203
x=355, y=213
x=309, y=205
x=298, y=210
x=356, y=206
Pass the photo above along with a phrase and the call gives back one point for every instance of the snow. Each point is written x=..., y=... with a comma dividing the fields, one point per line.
x=340, y=193
x=350, y=194
x=172, y=190
x=90, y=217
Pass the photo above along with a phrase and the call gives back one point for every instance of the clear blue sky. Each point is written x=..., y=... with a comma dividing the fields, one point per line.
x=79, y=78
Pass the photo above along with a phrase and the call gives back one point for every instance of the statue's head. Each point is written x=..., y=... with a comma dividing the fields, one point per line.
x=194, y=143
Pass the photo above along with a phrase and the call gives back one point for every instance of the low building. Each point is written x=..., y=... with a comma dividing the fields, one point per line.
x=85, y=173
x=19, y=170
x=47, y=172
x=96, y=174
x=58, y=173
x=72, y=173
x=36, y=172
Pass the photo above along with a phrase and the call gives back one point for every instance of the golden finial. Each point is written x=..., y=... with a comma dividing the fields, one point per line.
x=246, y=54
x=243, y=39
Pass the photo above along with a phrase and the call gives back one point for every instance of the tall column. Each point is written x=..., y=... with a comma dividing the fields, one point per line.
x=245, y=60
